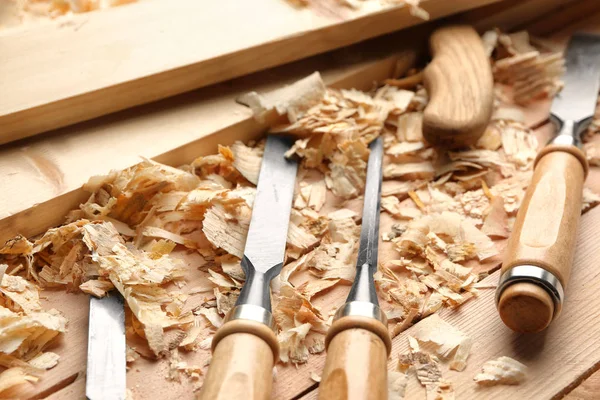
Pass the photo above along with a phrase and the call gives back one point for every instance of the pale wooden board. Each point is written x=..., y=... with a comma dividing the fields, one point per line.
x=588, y=390
x=97, y=63
x=172, y=131
x=73, y=391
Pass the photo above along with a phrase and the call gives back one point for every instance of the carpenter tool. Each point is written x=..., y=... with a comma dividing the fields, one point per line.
x=358, y=342
x=540, y=251
x=245, y=347
x=460, y=86
x=106, y=365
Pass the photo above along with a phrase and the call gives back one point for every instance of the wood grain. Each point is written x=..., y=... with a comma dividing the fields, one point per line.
x=460, y=85
x=139, y=53
x=241, y=368
x=355, y=367
x=545, y=230
x=588, y=390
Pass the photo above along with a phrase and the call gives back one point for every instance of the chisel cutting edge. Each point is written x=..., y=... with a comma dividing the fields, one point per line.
x=245, y=347
x=358, y=342
x=540, y=250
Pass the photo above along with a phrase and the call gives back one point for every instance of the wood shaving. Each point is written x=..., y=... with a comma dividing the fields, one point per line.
x=592, y=152
x=501, y=371
x=397, y=382
x=590, y=199
x=439, y=337
x=532, y=74
x=13, y=377
x=247, y=160
x=292, y=100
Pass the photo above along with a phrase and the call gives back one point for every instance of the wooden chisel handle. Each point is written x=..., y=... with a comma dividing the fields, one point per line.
x=242, y=363
x=356, y=364
x=544, y=236
x=460, y=86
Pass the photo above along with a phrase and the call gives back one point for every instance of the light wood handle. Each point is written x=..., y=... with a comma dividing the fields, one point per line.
x=242, y=362
x=460, y=86
x=544, y=235
x=356, y=365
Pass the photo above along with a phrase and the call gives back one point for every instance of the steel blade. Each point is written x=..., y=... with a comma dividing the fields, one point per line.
x=106, y=364
x=577, y=100
x=363, y=288
x=267, y=235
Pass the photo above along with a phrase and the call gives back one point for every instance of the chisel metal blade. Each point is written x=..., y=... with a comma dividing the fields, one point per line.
x=106, y=363
x=363, y=288
x=577, y=100
x=267, y=236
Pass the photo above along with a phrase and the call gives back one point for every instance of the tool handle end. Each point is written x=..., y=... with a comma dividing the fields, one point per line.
x=242, y=362
x=526, y=307
x=356, y=365
x=544, y=237
x=460, y=86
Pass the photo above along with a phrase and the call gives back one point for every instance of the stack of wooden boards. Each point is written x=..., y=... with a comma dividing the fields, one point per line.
x=49, y=170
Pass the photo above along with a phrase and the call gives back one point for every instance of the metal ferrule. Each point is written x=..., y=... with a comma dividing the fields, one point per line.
x=569, y=131
x=252, y=313
x=536, y=275
x=361, y=309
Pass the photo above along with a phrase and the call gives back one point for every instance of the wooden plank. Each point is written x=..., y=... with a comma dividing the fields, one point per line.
x=139, y=53
x=588, y=390
x=53, y=170
x=567, y=14
x=75, y=390
x=514, y=13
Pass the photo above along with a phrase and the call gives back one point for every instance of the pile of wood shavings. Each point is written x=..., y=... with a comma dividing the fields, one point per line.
x=19, y=12
x=170, y=239
x=434, y=345
x=367, y=5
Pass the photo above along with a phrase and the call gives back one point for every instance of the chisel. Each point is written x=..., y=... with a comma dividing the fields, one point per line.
x=358, y=342
x=245, y=347
x=540, y=251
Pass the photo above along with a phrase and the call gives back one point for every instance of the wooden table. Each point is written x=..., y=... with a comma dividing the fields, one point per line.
x=39, y=178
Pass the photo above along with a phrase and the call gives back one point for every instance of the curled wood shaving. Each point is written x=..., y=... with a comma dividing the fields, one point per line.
x=501, y=371
x=247, y=160
x=292, y=100
x=13, y=377
x=531, y=73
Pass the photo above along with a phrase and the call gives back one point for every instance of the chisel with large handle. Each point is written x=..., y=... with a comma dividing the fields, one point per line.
x=245, y=347
x=540, y=251
x=358, y=342
x=460, y=86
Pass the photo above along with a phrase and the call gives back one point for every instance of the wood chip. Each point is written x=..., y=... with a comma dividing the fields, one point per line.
x=438, y=336
x=501, y=371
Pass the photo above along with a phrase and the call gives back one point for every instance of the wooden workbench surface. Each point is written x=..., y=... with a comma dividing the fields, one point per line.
x=50, y=168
